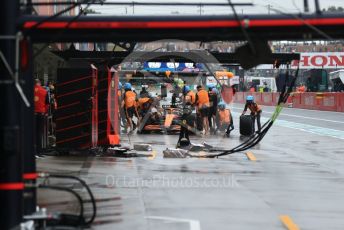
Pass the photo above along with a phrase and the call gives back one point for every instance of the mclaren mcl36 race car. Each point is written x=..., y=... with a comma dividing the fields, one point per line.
x=168, y=121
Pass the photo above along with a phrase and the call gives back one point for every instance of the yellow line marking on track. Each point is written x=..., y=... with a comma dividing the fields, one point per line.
x=288, y=223
x=250, y=156
x=153, y=155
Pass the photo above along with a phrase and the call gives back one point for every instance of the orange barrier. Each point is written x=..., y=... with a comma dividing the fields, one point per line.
x=258, y=98
x=112, y=125
x=340, y=102
x=296, y=100
x=324, y=101
x=239, y=97
x=267, y=99
x=319, y=101
x=308, y=100
x=275, y=98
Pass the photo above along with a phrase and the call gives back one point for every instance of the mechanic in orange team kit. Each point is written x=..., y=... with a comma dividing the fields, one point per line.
x=255, y=109
x=41, y=100
x=129, y=105
x=202, y=102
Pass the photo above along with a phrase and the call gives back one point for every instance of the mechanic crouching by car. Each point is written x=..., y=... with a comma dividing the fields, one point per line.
x=224, y=119
x=129, y=105
x=144, y=104
x=189, y=96
x=255, y=109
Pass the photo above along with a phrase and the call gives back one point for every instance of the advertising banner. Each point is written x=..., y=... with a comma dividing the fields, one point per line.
x=326, y=60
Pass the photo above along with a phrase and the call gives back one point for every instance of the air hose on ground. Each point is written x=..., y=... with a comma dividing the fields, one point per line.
x=256, y=138
x=72, y=220
x=83, y=183
x=68, y=220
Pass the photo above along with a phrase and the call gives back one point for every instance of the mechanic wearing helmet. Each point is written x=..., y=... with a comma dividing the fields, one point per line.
x=202, y=102
x=144, y=104
x=212, y=106
x=224, y=119
x=129, y=104
x=189, y=96
x=122, y=115
x=119, y=92
x=176, y=92
x=255, y=109
x=144, y=92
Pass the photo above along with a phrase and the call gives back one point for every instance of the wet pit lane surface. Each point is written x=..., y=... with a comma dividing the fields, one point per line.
x=297, y=173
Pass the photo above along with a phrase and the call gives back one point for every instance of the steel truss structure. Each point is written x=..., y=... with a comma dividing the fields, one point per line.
x=17, y=144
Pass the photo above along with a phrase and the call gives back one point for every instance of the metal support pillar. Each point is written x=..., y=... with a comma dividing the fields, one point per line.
x=305, y=6
x=317, y=7
x=11, y=182
x=28, y=128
